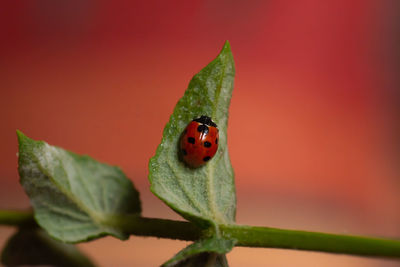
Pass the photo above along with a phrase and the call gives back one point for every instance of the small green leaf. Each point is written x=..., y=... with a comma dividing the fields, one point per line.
x=207, y=252
x=208, y=259
x=75, y=198
x=205, y=195
x=34, y=247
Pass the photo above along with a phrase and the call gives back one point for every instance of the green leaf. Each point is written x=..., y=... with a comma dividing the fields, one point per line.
x=205, y=195
x=208, y=259
x=34, y=247
x=207, y=252
x=75, y=198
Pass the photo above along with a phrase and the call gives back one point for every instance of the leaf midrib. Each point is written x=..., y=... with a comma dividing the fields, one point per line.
x=98, y=220
x=195, y=204
x=211, y=165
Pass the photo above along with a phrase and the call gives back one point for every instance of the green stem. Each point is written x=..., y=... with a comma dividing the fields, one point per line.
x=159, y=228
x=247, y=236
x=251, y=236
x=15, y=218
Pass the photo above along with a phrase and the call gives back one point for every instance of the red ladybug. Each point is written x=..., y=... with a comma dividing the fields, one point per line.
x=199, y=141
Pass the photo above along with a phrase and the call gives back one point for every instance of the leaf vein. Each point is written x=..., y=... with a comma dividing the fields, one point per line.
x=70, y=196
x=194, y=203
x=65, y=212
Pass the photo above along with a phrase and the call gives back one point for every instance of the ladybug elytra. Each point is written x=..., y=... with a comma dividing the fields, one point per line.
x=199, y=141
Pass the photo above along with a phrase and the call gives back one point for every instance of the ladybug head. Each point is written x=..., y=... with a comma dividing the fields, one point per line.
x=205, y=120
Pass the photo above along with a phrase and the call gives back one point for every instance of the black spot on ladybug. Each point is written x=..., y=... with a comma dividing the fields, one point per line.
x=206, y=158
x=216, y=141
x=207, y=144
x=184, y=152
x=202, y=128
x=191, y=140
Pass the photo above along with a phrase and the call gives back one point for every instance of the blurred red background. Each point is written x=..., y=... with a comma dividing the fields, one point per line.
x=314, y=118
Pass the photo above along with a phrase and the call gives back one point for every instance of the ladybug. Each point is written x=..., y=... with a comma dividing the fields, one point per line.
x=199, y=141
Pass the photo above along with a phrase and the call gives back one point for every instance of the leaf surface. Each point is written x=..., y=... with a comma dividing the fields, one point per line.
x=207, y=252
x=75, y=198
x=205, y=195
x=32, y=246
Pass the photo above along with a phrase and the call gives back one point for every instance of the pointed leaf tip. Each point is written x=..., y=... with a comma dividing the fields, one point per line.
x=21, y=136
x=227, y=45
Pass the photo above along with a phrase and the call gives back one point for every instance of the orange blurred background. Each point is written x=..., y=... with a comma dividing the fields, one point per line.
x=314, y=118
